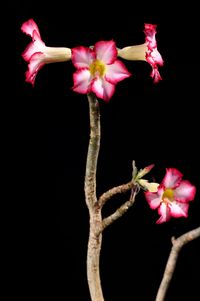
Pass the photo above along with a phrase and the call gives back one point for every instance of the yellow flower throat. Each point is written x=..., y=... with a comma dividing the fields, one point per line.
x=168, y=194
x=97, y=68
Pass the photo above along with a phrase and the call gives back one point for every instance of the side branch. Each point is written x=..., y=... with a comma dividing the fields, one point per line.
x=120, y=211
x=93, y=151
x=172, y=260
x=113, y=191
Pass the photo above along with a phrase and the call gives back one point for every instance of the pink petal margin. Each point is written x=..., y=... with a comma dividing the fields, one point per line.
x=36, y=46
x=106, y=51
x=36, y=63
x=185, y=192
x=154, y=199
x=116, y=72
x=103, y=89
x=29, y=26
x=172, y=178
x=82, y=57
x=153, y=57
x=150, y=33
x=28, y=52
x=82, y=81
x=179, y=209
x=155, y=74
x=164, y=211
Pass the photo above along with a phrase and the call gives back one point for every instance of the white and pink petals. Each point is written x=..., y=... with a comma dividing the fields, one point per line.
x=82, y=81
x=102, y=88
x=150, y=59
x=185, y=192
x=164, y=212
x=116, y=72
x=34, y=52
x=179, y=209
x=29, y=27
x=153, y=57
x=156, y=57
x=35, y=64
x=33, y=47
x=106, y=51
x=155, y=74
x=28, y=52
x=154, y=199
x=82, y=57
x=172, y=178
x=150, y=33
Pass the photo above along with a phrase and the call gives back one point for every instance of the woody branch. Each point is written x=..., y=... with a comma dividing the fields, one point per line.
x=177, y=245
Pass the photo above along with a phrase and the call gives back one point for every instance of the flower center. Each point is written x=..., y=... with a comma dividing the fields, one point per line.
x=168, y=195
x=97, y=68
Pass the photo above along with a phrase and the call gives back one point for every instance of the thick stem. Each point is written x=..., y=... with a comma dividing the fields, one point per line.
x=93, y=257
x=93, y=151
x=172, y=260
x=95, y=236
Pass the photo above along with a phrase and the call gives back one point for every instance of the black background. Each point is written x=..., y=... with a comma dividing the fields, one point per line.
x=142, y=122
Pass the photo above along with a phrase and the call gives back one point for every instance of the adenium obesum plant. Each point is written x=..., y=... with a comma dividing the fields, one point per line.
x=98, y=72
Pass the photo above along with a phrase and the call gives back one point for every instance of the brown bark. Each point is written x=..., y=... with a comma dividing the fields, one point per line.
x=95, y=236
x=93, y=257
x=113, y=191
x=94, y=206
x=121, y=210
x=177, y=245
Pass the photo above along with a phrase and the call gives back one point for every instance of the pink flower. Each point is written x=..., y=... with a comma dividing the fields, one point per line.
x=145, y=52
x=37, y=54
x=172, y=197
x=153, y=57
x=98, y=69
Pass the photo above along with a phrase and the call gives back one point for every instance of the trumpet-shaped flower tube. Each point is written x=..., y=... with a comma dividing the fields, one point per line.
x=172, y=197
x=145, y=52
x=37, y=54
x=98, y=69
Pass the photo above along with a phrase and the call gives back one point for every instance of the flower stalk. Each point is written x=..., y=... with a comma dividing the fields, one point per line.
x=95, y=235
